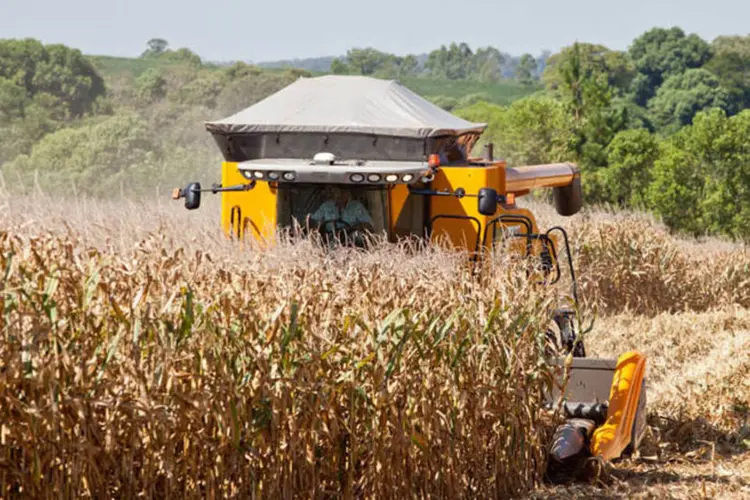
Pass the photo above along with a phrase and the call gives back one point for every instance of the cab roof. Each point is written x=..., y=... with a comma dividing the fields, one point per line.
x=336, y=104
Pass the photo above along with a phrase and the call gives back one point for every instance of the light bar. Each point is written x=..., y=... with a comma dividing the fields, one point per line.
x=367, y=173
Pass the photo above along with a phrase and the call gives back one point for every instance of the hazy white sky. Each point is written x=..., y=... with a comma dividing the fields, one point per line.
x=223, y=30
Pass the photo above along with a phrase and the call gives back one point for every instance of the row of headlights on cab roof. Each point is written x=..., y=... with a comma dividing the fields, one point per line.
x=290, y=176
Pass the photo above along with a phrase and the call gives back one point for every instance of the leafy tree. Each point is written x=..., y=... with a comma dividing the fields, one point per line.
x=731, y=45
x=585, y=91
x=702, y=181
x=676, y=190
x=338, y=67
x=660, y=53
x=182, y=56
x=486, y=65
x=525, y=69
x=241, y=70
x=55, y=70
x=409, y=66
x=372, y=62
x=93, y=157
x=155, y=47
x=630, y=157
x=203, y=90
x=151, y=86
x=532, y=130
x=731, y=64
x=159, y=48
x=634, y=116
x=596, y=60
x=12, y=100
x=366, y=61
x=453, y=62
x=683, y=95
x=471, y=99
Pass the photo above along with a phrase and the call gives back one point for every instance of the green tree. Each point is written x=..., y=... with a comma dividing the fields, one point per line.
x=409, y=66
x=660, y=53
x=240, y=70
x=731, y=45
x=203, y=90
x=54, y=70
x=182, y=56
x=630, y=161
x=93, y=157
x=731, y=64
x=366, y=61
x=453, y=62
x=532, y=130
x=525, y=69
x=486, y=65
x=702, y=181
x=683, y=95
x=155, y=47
x=338, y=67
x=12, y=100
x=585, y=91
x=676, y=190
x=151, y=86
x=595, y=60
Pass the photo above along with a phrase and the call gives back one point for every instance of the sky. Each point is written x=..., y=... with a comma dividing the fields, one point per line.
x=225, y=30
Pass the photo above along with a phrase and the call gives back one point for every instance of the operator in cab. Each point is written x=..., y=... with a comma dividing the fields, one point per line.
x=339, y=206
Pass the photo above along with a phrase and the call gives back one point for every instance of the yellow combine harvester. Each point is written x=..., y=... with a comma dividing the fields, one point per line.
x=348, y=156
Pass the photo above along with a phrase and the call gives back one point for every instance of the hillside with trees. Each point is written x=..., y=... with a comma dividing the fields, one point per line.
x=662, y=126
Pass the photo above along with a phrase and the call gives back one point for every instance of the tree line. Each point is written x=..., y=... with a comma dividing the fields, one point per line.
x=662, y=126
x=457, y=61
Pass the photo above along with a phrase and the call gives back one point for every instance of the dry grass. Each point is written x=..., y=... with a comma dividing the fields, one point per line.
x=144, y=353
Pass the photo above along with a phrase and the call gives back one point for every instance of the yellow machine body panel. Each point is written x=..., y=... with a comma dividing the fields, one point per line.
x=614, y=436
x=404, y=217
x=451, y=226
x=248, y=213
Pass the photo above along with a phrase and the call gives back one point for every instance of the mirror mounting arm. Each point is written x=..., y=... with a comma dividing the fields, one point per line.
x=487, y=203
x=192, y=193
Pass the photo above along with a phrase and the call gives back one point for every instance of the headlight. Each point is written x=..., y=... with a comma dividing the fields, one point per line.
x=373, y=177
x=274, y=176
x=258, y=174
x=289, y=176
x=391, y=178
x=357, y=178
x=247, y=174
x=407, y=177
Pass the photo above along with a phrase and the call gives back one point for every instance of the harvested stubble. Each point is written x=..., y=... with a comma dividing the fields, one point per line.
x=292, y=373
x=699, y=371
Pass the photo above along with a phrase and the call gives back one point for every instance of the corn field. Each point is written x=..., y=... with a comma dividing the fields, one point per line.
x=144, y=356
x=291, y=373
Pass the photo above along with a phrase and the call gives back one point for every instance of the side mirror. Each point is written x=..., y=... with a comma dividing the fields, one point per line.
x=487, y=201
x=568, y=199
x=193, y=195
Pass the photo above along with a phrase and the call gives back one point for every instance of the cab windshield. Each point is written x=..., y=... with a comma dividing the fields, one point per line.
x=331, y=208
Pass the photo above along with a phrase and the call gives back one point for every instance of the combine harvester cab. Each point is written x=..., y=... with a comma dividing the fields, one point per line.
x=345, y=156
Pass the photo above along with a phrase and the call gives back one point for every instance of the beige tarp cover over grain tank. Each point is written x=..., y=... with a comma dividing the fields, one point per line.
x=346, y=105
